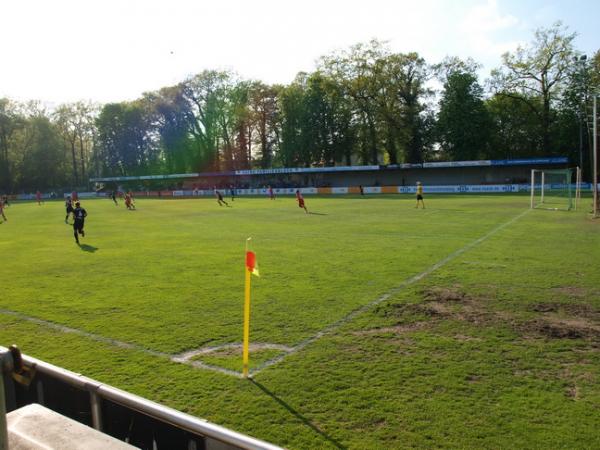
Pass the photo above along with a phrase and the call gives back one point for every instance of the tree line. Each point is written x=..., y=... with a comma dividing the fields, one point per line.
x=363, y=105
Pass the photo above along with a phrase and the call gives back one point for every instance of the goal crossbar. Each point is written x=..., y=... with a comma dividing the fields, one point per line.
x=555, y=189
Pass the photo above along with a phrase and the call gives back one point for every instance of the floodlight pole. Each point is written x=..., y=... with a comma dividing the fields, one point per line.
x=595, y=158
x=580, y=63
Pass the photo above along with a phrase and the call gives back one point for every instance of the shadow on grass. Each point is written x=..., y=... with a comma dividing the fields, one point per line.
x=299, y=416
x=317, y=214
x=88, y=248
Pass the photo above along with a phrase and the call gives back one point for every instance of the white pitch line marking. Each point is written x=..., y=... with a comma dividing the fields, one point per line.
x=116, y=343
x=347, y=318
x=185, y=358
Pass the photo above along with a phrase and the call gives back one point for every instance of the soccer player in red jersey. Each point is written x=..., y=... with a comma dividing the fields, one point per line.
x=129, y=201
x=301, y=201
x=2, y=204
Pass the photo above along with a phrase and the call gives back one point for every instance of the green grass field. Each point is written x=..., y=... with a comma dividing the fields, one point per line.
x=474, y=323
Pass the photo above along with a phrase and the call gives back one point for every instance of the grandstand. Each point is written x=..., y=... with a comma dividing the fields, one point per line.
x=456, y=173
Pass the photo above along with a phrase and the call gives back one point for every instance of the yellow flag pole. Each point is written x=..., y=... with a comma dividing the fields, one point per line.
x=245, y=356
x=246, y=322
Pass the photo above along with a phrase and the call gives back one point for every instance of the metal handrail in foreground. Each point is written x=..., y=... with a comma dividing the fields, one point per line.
x=149, y=408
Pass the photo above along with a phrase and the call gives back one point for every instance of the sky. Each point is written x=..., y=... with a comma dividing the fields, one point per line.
x=114, y=50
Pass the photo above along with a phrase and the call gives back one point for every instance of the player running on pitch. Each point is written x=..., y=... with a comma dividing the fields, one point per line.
x=69, y=207
x=420, y=195
x=129, y=201
x=2, y=205
x=38, y=198
x=220, y=198
x=300, y=200
x=232, y=192
x=79, y=214
x=113, y=195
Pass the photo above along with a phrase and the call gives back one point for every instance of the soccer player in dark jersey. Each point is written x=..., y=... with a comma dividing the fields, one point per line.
x=232, y=192
x=220, y=198
x=79, y=214
x=69, y=207
x=113, y=195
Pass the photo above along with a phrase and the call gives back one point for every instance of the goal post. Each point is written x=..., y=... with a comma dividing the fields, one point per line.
x=577, y=188
x=554, y=189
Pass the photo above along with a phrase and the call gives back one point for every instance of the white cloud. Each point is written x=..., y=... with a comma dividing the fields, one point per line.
x=483, y=27
x=486, y=17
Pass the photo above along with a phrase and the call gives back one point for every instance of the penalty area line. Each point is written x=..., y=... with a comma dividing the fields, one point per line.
x=350, y=316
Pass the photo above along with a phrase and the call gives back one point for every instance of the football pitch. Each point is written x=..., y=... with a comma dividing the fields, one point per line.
x=474, y=323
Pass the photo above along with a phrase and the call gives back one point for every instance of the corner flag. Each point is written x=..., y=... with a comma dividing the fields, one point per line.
x=251, y=269
x=251, y=262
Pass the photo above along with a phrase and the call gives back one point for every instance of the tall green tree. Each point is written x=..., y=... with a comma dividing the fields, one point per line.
x=403, y=81
x=295, y=146
x=265, y=116
x=536, y=75
x=204, y=94
x=353, y=71
x=127, y=142
x=11, y=121
x=463, y=123
x=43, y=165
x=515, y=130
x=387, y=91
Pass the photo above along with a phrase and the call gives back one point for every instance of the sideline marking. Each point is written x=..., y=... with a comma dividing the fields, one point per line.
x=185, y=357
x=117, y=343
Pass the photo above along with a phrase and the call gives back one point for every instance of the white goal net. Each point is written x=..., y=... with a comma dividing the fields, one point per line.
x=555, y=189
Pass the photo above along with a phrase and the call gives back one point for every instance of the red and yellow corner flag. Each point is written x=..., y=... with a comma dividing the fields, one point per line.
x=251, y=269
x=251, y=261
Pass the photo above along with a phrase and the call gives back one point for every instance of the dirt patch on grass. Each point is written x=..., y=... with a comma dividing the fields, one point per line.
x=444, y=295
x=556, y=320
x=561, y=328
x=571, y=309
x=464, y=338
x=438, y=303
x=545, y=307
x=398, y=329
x=472, y=378
x=435, y=309
x=573, y=392
x=572, y=291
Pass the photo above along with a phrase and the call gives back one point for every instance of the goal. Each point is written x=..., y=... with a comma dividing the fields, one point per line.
x=555, y=189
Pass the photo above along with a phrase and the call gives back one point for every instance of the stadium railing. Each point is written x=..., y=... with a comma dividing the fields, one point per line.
x=140, y=422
